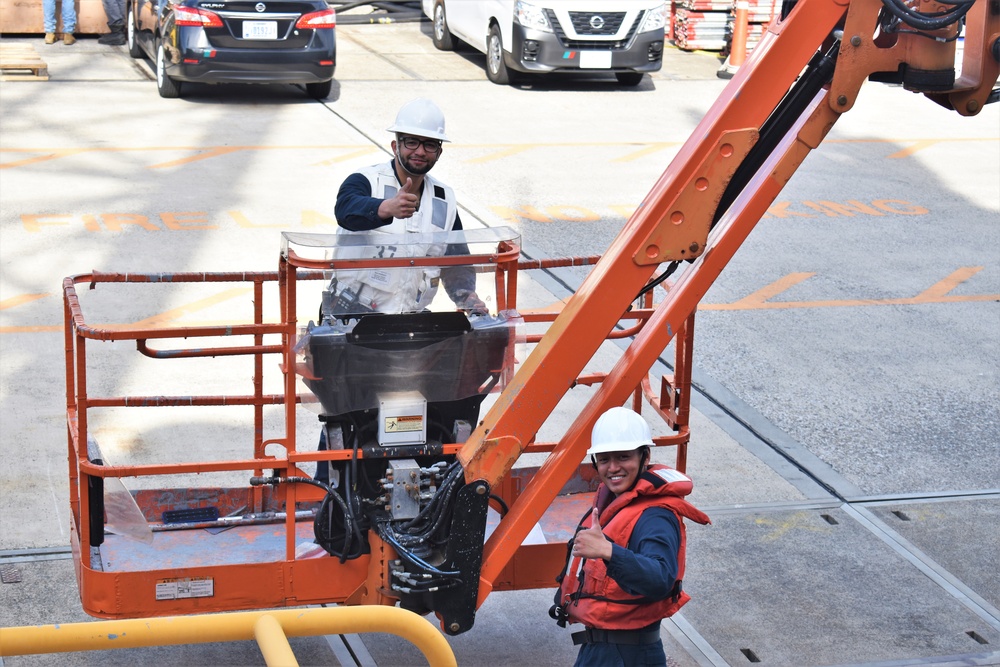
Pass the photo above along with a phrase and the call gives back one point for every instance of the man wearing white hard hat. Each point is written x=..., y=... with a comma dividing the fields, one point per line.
x=400, y=197
x=626, y=562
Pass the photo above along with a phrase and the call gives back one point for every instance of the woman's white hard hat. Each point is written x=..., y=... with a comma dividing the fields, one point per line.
x=420, y=118
x=619, y=430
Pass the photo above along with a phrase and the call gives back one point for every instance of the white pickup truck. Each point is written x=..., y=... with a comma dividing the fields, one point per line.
x=620, y=36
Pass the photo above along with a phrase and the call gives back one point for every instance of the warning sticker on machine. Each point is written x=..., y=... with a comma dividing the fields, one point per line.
x=404, y=424
x=178, y=589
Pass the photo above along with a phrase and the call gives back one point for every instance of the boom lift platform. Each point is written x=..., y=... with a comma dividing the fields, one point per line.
x=408, y=471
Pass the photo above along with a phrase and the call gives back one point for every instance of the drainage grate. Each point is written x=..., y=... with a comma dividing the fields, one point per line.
x=976, y=636
x=901, y=515
x=829, y=519
x=9, y=574
x=750, y=655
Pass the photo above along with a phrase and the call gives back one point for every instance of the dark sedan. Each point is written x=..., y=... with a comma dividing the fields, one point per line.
x=235, y=41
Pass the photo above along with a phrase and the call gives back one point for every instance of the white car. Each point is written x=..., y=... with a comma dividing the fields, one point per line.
x=620, y=36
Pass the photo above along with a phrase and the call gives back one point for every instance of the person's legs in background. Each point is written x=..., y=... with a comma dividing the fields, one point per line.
x=68, y=21
x=49, y=20
x=114, y=10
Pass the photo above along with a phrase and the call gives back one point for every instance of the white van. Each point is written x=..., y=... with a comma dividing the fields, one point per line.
x=537, y=36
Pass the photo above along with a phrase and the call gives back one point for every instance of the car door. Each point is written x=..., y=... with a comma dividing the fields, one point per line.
x=469, y=21
x=145, y=18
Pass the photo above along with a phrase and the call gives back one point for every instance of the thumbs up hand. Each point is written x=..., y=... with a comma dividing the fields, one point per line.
x=591, y=543
x=403, y=204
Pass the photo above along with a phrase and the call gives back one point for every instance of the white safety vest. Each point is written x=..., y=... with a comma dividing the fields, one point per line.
x=399, y=290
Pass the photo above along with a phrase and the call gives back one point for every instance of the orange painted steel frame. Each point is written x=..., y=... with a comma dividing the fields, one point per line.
x=673, y=223
x=285, y=581
x=680, y=220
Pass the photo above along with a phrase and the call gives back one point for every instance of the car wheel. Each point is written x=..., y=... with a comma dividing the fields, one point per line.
x=319, y=91
x=130, y=34
x=442, y=36
x=629, y=78
x=168, y=87
x=496, y=69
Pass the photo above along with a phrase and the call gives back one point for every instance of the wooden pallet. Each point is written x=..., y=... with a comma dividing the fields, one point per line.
x=20, y=62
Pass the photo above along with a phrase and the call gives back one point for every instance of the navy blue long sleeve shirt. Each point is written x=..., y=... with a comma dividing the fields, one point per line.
x=357, y=211
x=648, y=567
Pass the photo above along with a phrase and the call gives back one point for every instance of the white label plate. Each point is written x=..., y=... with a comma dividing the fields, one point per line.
x=179, y=589
x=595, y=60
x=261, y=30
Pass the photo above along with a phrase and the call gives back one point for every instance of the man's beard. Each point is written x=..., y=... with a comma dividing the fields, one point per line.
x=410, y=169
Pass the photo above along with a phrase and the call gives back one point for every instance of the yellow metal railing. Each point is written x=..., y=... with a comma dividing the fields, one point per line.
x=270, y=628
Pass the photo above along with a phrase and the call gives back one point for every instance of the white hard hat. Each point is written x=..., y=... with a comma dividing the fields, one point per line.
x=619, y=430
x=421, y=118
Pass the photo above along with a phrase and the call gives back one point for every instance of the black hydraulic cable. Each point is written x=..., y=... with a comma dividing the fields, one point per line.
x=657, y=280
x=351, y=499
x=818, y=73
x=442, y=517
x=330, y=493
x=926, y=21
x=439, y=517
x=449, y=477
x=503, y=505
x=413, y=559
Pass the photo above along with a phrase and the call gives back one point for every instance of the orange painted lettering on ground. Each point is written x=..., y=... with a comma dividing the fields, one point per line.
x=115, y=221
x=244, y=221
x=572, y=213
x=781, y=210
x=187, y=220
x=900, y=206
x=34, y=223
x=528, y=212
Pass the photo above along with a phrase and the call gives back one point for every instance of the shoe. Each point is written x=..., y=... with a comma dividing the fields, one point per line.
x=113, y=38
x=69, y=39
x=50, y=38
x=116, y=37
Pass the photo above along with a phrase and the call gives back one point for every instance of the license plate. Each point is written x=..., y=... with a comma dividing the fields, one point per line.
x=595, y=60
x=260, y=30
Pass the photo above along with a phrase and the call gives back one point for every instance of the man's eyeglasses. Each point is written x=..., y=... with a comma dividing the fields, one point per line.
x=412, y=143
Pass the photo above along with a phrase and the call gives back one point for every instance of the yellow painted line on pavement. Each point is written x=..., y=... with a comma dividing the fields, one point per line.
x=154, y=322
x=203, y=152
x=956, y=278
x=921, y=144
x=939, y=292
x=507, y=152
x=173, y=314
x=53, y=155
x=19, y=300
x=36, y=329
x=202, y=155
x=762, y=295
x=778, y=528
x=502, y=150
x=648, y=150
x=347, y=156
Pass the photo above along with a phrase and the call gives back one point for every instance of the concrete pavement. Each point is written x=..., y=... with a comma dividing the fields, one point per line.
x=840, y=534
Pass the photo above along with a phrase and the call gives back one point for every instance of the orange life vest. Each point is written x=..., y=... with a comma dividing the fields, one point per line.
x=595, y=599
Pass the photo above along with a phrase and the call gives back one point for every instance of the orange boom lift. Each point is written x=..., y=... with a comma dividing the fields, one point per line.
x=416, y=499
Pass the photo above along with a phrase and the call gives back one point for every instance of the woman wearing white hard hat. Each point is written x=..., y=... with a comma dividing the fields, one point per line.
x=626, y=562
